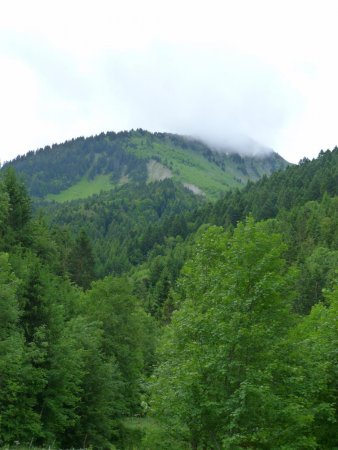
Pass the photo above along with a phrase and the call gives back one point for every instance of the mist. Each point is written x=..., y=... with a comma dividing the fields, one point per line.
x=231, y=101
x=246, y=75
x=227, y=100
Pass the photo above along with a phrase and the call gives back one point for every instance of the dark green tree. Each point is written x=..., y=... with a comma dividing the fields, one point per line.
x=4, y=213
x=19, y=212
x=35, y=304
x=81, y=261
x=20, y=382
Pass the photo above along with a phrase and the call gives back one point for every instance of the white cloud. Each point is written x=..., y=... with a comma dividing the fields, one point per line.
x=264, y=69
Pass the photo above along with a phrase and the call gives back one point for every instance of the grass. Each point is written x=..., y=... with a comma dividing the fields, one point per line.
x=140, y=423
x=187, y=166
x=83, y=189
x=138, y=429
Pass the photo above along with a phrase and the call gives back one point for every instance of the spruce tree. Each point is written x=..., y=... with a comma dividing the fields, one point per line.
x=81, y=261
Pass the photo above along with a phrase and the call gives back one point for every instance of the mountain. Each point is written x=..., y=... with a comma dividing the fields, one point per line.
x=131, y=190
x=86, y=166
x=283, y=190
x=226, y=334
x=126, y=223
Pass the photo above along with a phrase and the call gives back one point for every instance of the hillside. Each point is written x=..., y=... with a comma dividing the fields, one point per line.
x=126, y=223
x=83, y=167
x=300, y=202
x=130, y=190
x=283, y=190
x=130, y=320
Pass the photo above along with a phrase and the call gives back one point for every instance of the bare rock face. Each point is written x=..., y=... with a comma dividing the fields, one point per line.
x=196, y=190
x=157, y=171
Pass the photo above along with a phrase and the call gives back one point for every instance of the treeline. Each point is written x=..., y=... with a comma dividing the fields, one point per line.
x=55, y=168
x=310, y=233
x=283, y=190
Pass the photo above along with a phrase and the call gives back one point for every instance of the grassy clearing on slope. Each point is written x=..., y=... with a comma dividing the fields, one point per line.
x=83, y=189
x=186, y=165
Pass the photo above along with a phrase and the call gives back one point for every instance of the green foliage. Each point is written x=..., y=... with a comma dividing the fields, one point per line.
x=19, y=381
x=69, y=372
x=81, y=261
x=294, y=186
x=82, y=167
x=9, y=310
x=225, y=373
x=15, y=207
x=19, y=202
x=4, y=211
x=248, y=355
x=125, y=332
x=99, y=403
x=310, y=232
x=318, y=272
x=57, y=168
x=66, y=371
x=125, y=224
x=316, y=340
x=83, y=189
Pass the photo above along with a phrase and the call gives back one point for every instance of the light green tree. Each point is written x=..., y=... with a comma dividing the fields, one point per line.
x=127, y=331
x=226, y=379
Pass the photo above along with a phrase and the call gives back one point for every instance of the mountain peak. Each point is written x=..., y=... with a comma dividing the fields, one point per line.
x=88, y=165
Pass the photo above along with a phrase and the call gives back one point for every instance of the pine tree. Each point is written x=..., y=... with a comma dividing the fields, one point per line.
x=20, y=382
x=81, y=261
x=19, y=203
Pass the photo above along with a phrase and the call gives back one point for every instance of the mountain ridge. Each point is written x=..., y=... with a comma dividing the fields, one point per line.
x=132, y=156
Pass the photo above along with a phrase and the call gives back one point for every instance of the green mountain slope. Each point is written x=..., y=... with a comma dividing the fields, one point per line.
x=83, y=167
x=247, y=359
x=126, y=223
x=293, y=187
x=302, y=203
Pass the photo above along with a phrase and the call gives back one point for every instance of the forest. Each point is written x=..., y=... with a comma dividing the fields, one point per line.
x=123, y=157
x=146, y=317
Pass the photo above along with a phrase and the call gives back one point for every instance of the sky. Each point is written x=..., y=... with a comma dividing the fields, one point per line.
x=223, y=71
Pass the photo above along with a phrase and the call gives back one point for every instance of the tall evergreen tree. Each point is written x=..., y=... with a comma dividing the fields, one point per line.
x=20, y=382
x=19, y=201
x=81, y=261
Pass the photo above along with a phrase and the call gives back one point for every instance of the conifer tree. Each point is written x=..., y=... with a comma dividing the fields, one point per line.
x=20, y=382
x=19, y=201
x=81, y=261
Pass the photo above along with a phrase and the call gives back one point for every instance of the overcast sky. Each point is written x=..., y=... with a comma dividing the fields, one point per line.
x=219, y=70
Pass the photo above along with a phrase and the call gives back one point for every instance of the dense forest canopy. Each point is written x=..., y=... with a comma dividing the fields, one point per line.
x=147, y=317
